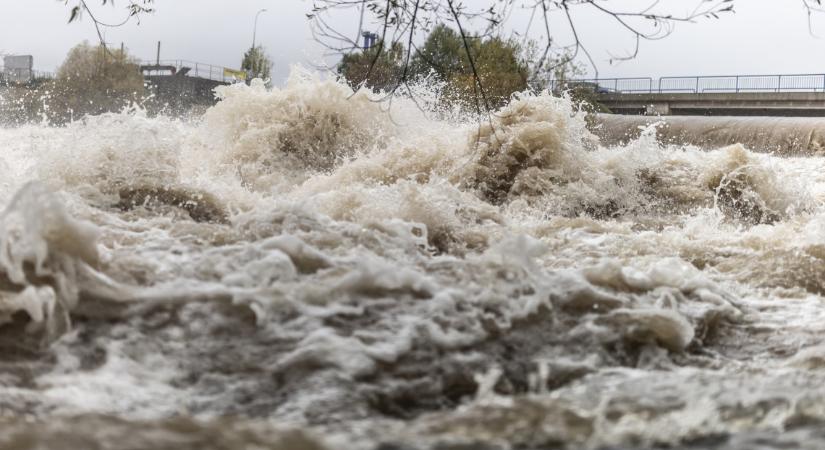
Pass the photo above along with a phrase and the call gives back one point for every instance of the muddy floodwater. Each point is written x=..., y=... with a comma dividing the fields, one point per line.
x=786, y=136
x=301, y=269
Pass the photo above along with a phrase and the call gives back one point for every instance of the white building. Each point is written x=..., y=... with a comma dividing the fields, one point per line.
x=18, y=69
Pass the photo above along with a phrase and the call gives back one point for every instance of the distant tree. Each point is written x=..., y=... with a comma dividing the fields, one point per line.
x=93, y=80
x=497, y=62
x=256, y=63
x=567, y=69
x=442, y=53
x=498, y=66
x=376, y=67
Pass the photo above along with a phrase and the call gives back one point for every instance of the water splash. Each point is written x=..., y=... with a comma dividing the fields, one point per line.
x=301, y=257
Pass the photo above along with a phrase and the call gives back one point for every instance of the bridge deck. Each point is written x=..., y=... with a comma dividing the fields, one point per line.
x=743, y=103
x=778, y=95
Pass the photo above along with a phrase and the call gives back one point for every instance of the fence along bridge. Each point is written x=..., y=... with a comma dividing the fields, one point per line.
x=149, y=69
x=730, y=95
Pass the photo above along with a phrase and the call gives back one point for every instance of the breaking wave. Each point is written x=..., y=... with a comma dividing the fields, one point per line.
x=302, y=256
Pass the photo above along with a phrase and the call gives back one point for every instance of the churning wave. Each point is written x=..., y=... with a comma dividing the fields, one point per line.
x=301, y=268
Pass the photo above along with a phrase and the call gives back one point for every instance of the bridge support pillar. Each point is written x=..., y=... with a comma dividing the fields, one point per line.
x=657, y=109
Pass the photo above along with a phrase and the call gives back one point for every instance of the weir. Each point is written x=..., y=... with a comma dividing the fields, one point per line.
x=787, y=136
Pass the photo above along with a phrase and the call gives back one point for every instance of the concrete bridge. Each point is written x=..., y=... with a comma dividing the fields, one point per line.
x=180, y=85
x=734, y=95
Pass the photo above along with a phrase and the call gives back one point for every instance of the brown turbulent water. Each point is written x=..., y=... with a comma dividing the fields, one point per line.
x=787, y=136
x=300, y=269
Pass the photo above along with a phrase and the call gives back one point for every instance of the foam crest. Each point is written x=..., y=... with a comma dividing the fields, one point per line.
x=96, y=153
x=42, y=250
x=300, y=255
x=746, y=189
x=275, y=137
x=531, y=136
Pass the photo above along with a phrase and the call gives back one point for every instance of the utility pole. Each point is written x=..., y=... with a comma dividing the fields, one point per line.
x=255, y=27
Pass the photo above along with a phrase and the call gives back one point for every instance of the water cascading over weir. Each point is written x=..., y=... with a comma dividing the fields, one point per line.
x=786, y=136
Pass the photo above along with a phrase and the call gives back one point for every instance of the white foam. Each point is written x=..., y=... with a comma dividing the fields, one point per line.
x=353, y=246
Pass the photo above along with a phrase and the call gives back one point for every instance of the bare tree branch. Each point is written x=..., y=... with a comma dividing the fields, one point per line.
x=405, y=21
x=135, y=9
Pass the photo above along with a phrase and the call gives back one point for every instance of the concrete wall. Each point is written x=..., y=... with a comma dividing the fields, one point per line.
x=179, y=94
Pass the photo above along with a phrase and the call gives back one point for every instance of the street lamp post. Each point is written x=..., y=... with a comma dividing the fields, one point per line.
x=255, y=27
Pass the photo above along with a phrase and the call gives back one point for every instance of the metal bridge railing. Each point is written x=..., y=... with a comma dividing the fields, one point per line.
x=196, y=69
x=699, y=84
x=605, y=85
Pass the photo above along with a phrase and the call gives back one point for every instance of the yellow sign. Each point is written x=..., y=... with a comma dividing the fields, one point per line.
x=237, y=74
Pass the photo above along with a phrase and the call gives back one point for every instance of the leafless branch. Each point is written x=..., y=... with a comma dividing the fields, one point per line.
x=407, y=21
x=811, y=7
x=134, y=8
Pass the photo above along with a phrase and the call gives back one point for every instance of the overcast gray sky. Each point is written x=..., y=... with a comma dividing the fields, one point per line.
x=764, y=36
